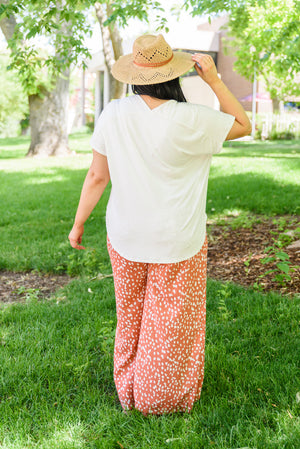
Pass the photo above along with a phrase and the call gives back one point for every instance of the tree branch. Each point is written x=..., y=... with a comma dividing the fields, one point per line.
x=115, y=37
x=108, y=54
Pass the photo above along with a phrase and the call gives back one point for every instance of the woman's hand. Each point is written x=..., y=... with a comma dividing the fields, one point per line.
x=94, y=184
x=75, y=236
x=207, y=70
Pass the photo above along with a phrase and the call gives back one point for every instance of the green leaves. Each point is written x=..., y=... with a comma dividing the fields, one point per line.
x=282, y=268
x=29, y=63
x=266, y=34
x=10, y=8
x=62, y=26
x=11, y=94
x=49, y=37
x=282, y=256
x=123, y=10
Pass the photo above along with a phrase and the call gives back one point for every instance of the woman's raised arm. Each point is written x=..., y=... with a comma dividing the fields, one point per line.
x=208, y=72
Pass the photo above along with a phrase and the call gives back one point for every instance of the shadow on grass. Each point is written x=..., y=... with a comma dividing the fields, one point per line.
x=286, y=149
x=14, y=147
x=272, y=144
x=17, y=147
x=51, y=186
x=251, y=192
x=14, y=141
x=41, y=205
x=37, y=215
x=280, y=154
x=38, y=212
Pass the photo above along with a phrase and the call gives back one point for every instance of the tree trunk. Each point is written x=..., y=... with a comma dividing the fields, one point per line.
x=116, y=41
x=112, y=49
x=275, y=99
x=7, y=24
x=275, y=104
x=47, y=110
x=48, y=120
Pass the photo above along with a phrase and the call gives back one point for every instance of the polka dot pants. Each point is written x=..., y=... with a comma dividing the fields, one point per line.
x=160, y=335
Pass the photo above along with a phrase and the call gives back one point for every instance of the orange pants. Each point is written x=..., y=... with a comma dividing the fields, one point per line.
x=160, y=335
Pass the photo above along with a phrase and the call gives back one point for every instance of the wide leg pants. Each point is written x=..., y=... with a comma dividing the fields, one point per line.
x=160, y=334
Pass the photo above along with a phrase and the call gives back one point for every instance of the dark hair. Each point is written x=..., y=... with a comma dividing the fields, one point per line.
x=169, y=90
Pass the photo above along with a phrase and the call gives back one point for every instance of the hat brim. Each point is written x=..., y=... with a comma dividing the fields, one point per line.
x=126, y=71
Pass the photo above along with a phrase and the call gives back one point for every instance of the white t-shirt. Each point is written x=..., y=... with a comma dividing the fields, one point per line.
x=159, y=162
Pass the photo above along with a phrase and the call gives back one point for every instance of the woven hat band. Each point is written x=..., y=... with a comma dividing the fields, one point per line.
x=154, y=64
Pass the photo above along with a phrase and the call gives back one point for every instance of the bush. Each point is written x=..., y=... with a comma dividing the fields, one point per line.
x=258, y=133
x=90, y=121
x=282, y=135
x=13, y=101
x=286, y=134
x=88, y=263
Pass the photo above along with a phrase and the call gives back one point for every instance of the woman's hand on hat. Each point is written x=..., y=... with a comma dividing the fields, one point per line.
x=75, y=236
x=206, y=68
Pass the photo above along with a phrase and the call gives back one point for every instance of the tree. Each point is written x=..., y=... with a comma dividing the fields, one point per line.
x=114, y=14
x=44, y=75
x=112, y=46
x=270, y=38
x=266, y=38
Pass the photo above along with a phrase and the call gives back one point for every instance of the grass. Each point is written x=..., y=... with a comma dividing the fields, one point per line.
x=39, y=197
x=39, y=200
x=264, y=179
x=56, y=355
x=57, y=385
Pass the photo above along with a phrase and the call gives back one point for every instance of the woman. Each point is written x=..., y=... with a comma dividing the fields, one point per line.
x=157, y=150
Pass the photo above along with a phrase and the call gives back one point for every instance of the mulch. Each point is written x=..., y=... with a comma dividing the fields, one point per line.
x=22, y=286
x=233, y=255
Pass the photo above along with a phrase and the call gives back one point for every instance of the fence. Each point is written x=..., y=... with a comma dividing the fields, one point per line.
x=280, y=123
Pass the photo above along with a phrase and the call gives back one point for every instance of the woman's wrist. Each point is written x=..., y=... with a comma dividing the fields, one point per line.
x=78, y=224
x=216, y=83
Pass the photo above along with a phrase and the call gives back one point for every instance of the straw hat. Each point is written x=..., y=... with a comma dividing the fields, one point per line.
x=151, y=62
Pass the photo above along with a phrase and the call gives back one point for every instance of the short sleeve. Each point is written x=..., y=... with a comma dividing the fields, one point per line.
x=220, y=127
x=217, y=126
x=97, y=140
x=199, y=129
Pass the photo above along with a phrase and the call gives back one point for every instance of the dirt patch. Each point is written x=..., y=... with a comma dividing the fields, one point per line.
x=235, y=255
x=19, y=287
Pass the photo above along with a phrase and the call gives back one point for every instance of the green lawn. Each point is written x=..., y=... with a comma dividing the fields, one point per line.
x=56, y=355
x=39, y=197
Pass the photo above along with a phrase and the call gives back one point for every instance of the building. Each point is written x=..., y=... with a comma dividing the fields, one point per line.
x=210, y=38
x=205, y=38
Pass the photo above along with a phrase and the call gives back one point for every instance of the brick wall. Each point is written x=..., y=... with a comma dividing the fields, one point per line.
x=238, y=85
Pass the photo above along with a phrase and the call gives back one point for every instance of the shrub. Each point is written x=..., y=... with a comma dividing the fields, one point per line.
x=281, y=135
